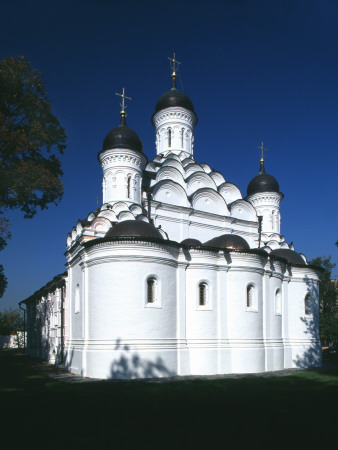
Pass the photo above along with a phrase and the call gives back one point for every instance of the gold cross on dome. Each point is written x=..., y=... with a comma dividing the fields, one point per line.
x=263, y=150
x=174, y=60
x=123, y=106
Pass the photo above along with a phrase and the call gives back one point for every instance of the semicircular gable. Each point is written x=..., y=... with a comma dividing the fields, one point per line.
x=229, y=192
x=108, y=214
x=217, y=177
x=205, y=167
x=199, y=180
x=136, y=209
x=168, y=191
x=158, y=158
x=192, y=168
x=241, y=209
x=187, y=161
x=101, y=224
x=170, y=173
x=91, y=216
x=151, y=167
x=120, y=206
x=173, y=156
x=125, y=215
x=209, y=200
x=173, y=163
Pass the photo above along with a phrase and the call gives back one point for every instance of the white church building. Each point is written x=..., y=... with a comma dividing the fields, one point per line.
x=177, y=273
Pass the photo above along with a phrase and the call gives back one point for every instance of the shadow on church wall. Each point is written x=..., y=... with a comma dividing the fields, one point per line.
x=131, y=366
x=312, y=357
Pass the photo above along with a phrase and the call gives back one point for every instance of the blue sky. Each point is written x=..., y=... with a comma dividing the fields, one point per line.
x=255, y=70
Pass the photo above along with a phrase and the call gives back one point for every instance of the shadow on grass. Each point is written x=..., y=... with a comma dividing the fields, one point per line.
x=293, y=411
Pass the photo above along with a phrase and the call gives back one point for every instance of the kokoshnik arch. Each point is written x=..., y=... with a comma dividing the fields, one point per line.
x=176, y=273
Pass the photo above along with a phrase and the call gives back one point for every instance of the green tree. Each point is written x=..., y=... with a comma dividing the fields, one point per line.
x=328, y=302
x=30, y=140
x=11, y=321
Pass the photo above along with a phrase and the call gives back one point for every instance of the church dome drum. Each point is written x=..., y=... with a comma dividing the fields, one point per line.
x=133, y=228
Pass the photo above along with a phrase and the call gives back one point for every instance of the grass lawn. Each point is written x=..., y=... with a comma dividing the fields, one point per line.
x=294, y=411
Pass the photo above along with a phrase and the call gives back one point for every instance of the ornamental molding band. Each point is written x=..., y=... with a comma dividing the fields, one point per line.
x=174, y=114
x=120, y=158
x=145, y=296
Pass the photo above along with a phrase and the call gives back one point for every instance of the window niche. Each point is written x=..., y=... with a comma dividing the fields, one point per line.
x=278, y=302
x=77, y=299
x=308, y=304
x=152, y=297
x=251, y=298
x=203, y=296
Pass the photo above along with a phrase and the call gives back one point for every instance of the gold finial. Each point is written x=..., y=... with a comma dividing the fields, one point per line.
x=173, y=67
x=123, y=106
x=263, y=150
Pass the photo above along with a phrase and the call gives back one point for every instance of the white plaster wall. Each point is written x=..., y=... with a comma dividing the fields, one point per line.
x=245, y=324
x=202, y=324
x=302, y=339
x=123, y=329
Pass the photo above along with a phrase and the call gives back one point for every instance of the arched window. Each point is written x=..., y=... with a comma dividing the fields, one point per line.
x=278, y=302
x=169, y=137
x=77, y=299
x=202, y=292
x=128, y=186
x=250, y=296
x=182, y=137
x=307, y=303
x=151, y=290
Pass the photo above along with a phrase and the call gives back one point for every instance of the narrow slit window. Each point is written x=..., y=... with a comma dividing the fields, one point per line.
x=278, y=302
x=77, y=299
x=128, y=187
x=202, y=294
x=249, y=296
x=169, y=137
x=182, y=137
x=151, y=287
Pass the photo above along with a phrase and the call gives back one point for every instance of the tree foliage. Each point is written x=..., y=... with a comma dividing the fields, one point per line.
x=328, y=302
x=11, y=321
x=30, y=140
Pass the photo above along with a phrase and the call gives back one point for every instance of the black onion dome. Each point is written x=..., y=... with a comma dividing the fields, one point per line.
x=263, y=182
x=134, y=228
x=230, y=241
x=290, y=255
x=122, y=137
x=190, y=241
x=174, y=97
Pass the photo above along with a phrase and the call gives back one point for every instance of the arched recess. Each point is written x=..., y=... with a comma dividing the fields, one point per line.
x=170, y=173
x=191, y=168
x=241, y=209
x=229, y=192
x=168, y=191
x=208, y=200
x=217, y=177
x=199, y=180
